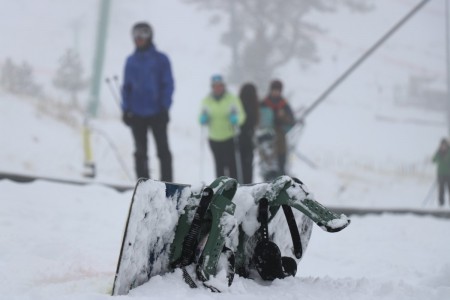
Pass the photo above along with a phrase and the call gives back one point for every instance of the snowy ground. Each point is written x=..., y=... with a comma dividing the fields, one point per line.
x=62, y=242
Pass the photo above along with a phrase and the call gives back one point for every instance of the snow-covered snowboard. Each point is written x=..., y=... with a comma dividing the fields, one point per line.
x=268, y=160
x=162, y=217
x=150, y=228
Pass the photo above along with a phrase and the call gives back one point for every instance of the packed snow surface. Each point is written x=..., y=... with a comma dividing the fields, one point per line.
x=63, y=242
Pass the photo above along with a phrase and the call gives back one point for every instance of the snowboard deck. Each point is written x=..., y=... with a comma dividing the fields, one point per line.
x=157, y=207
x=152, y=218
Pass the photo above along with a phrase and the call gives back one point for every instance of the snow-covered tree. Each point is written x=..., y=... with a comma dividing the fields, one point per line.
x=8, y=74
x=19, y=79
x=265, y=34
x=69, y=76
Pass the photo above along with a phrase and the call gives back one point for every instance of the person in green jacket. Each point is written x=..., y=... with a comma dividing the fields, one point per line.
x=223, y=113
x=442, y=159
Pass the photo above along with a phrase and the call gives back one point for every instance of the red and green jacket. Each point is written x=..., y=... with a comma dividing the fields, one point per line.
x=442, y=159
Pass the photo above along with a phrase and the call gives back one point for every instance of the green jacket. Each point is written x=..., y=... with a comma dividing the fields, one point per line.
x=443, y=163
x=218, y=113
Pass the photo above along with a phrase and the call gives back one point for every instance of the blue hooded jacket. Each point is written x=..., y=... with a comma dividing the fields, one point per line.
x=148, y=83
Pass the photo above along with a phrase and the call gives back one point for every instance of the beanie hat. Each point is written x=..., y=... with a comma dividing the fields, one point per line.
x=217, y=79
x=276, y=85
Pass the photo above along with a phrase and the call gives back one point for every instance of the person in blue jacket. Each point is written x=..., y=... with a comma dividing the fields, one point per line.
x=146, y=99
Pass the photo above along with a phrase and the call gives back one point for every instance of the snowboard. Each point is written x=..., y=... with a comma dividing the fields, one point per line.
x=265, y=144
x=268, y=160
x=152, y=218
x=162, y=216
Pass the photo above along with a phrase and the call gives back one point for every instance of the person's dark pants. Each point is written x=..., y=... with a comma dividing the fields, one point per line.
x=442, y=182
x=158, y=125
x=224, y=158
x=246, y=148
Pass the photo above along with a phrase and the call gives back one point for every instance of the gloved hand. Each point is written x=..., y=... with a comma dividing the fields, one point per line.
x=127, y=118
x=204, y=118
x=233, y=119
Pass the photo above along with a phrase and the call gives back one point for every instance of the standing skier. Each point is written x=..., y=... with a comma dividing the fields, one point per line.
x=278, y=112
x=442, y=159
x=223, y=114
x=249, y=98
x=146, y=99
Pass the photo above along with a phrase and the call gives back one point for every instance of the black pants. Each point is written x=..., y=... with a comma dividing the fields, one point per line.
x=224, y=158
x=442, y=182
x=158, y=125
x=246, y=146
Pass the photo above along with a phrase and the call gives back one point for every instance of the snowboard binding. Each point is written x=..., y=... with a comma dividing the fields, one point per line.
x=205, y=239
x=257, y=250
x=267, y=255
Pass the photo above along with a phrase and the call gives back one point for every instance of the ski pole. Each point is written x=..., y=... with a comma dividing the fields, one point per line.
x=114, y=93
x=116, y=83
x=115, y=151
x=202, y=151
x=237, y=155
x=429, y=194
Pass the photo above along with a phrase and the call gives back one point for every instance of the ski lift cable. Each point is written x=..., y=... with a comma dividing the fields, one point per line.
x=296, y=131
x=359, y=61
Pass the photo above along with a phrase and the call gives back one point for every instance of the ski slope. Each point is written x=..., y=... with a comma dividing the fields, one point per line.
x=62, y=242
x=362, y=142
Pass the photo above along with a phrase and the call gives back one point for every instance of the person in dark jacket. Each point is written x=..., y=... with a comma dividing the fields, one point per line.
x=283, y=120
x=250, y=102
x=146, y=99
x=442, y=159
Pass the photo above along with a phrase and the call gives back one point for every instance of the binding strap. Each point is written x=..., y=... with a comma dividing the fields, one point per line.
x=293, y=228
x=191, y=239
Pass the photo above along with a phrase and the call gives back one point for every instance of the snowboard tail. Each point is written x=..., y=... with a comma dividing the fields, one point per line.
x=152, y=218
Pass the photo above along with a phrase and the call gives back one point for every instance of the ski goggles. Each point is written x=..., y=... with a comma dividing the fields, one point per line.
x=142, y=33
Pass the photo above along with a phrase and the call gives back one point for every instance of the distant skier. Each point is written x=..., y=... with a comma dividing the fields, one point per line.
x=223, y=113
x=276, y=111
x=146, y=100
x=250, y=102
x=442, y=159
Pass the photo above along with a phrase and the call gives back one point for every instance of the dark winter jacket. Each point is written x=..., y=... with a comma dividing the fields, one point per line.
x=252, y=113
x=148, y=83
x=442, y=159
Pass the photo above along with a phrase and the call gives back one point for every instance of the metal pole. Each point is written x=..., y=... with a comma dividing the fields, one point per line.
x=94, y=93
x=102, y=30
x=236, y=74
x=368, y=53
x=447, y=47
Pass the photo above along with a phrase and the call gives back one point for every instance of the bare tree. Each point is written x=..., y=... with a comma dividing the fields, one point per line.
x=69, y=76
x=266, y=34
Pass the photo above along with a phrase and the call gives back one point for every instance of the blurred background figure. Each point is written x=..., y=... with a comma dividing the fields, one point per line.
x=278, y=112
x=223, y=113
x=147, y=97
x=250, y=102
x=442, y=160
